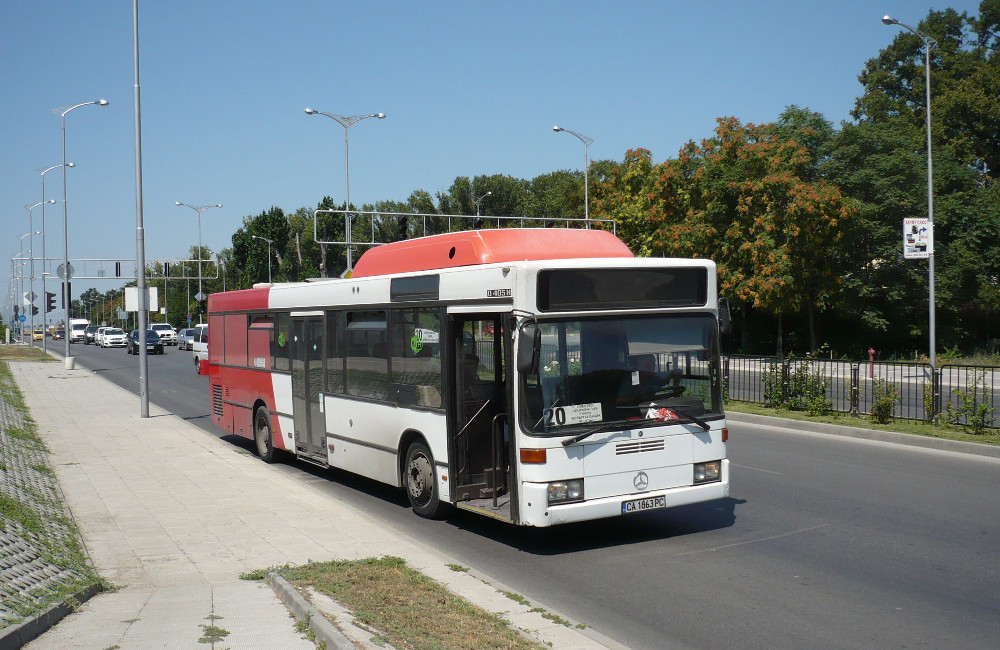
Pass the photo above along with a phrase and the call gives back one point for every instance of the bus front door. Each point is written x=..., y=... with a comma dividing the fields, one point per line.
x=479, y=438
x=307, y=357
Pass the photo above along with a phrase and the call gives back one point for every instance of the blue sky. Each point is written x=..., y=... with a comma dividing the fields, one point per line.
x=468, y=87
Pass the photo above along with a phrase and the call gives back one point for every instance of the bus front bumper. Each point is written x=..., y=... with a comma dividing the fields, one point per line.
x=535, y=510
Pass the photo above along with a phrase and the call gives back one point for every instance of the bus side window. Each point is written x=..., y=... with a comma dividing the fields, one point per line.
x=280, y=336
x=416, y=358
x=335, y=352
x=366, y=361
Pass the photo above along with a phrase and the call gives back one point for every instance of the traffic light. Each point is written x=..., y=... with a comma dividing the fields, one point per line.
x=50, y=301
x=201, y=307
x=166, y=269
x=34, y=311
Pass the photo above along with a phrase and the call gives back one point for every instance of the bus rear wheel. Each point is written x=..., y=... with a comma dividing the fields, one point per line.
x=420, y=483
x=262, y=435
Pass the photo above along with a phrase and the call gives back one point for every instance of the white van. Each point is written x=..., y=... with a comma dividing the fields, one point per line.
x=77, y=330
x=199, y=346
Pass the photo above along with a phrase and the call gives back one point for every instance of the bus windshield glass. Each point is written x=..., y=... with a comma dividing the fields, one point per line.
x=597, y=372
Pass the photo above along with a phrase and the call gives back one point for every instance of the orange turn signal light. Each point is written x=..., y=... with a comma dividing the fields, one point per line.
x=533, y=456
x=725, y=434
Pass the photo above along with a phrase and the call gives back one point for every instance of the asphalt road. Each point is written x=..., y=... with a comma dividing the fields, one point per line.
x=827, y=542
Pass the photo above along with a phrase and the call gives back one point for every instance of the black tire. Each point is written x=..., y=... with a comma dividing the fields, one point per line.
x=263, y=440
x=420, y=482
x=197, y=367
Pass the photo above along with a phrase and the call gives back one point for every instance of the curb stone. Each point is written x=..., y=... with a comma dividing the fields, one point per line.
x=20, y=634
x=909, y=439
x=303, y=610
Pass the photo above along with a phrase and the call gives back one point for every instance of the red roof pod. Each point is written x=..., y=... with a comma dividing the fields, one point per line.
x=487, y=247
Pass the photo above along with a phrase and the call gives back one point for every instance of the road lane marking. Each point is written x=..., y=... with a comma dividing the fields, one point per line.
x=756, y=469
x=753, y=541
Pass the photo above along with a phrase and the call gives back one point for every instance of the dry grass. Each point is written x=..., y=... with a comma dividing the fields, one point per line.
x=405, y=608
x=15, y=352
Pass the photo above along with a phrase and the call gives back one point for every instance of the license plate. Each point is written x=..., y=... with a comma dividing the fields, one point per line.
x=643, y=504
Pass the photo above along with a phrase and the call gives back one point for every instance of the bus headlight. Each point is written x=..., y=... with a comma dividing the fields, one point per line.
x=566, y=491
x=707, y=472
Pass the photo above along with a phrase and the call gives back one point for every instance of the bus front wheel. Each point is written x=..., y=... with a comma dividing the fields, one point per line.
x=262, y=435
x=421, y=486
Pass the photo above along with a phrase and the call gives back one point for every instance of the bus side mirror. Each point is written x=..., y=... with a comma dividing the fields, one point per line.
x=725, y=318
x=529, y=345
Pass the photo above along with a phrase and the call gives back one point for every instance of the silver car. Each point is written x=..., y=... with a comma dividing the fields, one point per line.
x=184, y=338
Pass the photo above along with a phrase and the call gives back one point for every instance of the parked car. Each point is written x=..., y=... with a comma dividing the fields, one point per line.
x=153, y=342
x=113, y=337
x=184, y=338
x=199, y=346
x=166, y=332
x=38, y=335
x=89, y=334
x=58, y=335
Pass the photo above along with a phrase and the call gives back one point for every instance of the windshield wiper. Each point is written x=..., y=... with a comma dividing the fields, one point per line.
x=694, y=420
x=608, y=426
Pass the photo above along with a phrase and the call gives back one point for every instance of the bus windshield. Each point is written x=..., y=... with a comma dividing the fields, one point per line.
x=601, y=371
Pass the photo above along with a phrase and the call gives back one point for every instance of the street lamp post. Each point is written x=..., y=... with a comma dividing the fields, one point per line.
x=45, y=315
x=199, y=209
x=269, y=242
x=346, y=122
x=68, y=360
x=20, y=255
x=928, y=44
x=586, y=169
x=31, y=273
x=479, y=200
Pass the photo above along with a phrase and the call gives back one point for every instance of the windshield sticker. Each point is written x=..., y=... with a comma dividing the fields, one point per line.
x=574, y=414
x=416, y=343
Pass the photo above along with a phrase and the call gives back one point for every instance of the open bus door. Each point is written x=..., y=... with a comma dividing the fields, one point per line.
x=479, y=441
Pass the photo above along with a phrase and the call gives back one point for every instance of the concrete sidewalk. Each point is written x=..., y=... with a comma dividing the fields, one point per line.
x=173, y=516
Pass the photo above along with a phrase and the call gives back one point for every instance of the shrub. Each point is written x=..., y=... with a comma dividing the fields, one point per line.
x=884, y=397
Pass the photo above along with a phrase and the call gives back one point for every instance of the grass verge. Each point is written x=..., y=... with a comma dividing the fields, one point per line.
x=404, y=607
x=24, y=353
x=944, y=431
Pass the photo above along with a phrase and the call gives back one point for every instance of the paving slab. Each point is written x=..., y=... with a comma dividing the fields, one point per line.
x=173, y=516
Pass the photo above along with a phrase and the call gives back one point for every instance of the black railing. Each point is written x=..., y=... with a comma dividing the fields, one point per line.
x=964, y=395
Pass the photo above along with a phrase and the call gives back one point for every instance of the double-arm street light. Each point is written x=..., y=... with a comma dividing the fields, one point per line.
x=586, y=169
x=31, y=273
x=928, y=44
x=269, y=242
x=42, y=171
x=63, y=112
x=346, y=122
x=199, y=209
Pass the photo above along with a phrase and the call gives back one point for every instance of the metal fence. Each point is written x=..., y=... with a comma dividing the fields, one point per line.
x=964, y=395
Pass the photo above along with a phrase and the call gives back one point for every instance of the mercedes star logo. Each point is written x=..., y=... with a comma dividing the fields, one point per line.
x=641, y=481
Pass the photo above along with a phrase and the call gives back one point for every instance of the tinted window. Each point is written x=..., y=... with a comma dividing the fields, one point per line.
x=366, y=355
x=280, y=336
x=416, y=356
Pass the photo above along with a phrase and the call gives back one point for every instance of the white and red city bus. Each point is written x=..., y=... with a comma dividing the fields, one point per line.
x=538, y=376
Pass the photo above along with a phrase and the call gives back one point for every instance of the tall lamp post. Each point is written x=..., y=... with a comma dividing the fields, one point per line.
x=20, y=255
x=42, y=171
x=586, y=169
x=346, y=122
x=928, y=44
x=480, y=200
x=63, y=112
x=199, y=209
x=269, y=242
x=31, y=273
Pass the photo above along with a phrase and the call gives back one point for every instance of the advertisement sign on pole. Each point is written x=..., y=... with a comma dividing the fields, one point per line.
x=918, y=238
